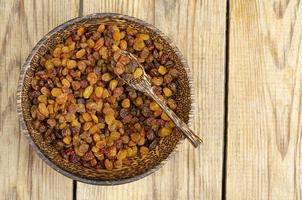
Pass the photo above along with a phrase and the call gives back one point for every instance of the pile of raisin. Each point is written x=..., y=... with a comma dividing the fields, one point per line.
x=86, y=112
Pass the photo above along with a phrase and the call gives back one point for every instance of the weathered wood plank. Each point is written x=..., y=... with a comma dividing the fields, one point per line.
x=198, y=29
x=265, y=76
x=23, y=174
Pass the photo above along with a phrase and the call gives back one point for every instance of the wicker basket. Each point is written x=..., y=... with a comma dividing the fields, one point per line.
x=139, y=167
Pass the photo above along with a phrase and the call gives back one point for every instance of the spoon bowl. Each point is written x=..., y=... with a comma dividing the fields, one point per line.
x=143, y=84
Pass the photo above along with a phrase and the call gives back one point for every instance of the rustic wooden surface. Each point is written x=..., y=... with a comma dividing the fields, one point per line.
x=264, y=155
x=22, y=174
x=192, y=173
x=247, y=73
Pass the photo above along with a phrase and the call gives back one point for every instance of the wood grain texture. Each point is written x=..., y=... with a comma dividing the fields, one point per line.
x=265, y=93
x=198, y=29
x=22, y=174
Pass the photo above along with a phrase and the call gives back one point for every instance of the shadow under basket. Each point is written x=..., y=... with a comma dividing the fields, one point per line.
x=139, y=167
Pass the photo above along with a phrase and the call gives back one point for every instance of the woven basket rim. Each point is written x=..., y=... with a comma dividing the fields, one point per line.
x=26, y=66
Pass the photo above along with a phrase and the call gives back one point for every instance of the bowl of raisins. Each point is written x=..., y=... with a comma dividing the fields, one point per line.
x=82, y=119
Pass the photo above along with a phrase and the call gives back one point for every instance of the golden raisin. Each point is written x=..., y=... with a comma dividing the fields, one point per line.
x=90, y=43
x=80, y=53
x=49, y=65
x=83, y=148
x=154, y=106
x=123, y=34
x=141, y=141
x=56, y=61
x=67, y=139
x=70, y=117
x=105, y=93
x=51, y=122
x=115, y=48
x=119, y=69
x=56, y=92
x=172, y=103
x=57, y=52
x=106, y=77
x=45, y=91
x=80, y=31
x=157, y=113
x=115, y=135
x=99, y=91
x=71, y=46
x=123, y=44
x=130, y=152
x=135, y=137
x=138, y=44
x=50, y=109
x=144, y=150
x=42, y=98
x=93, y=129
x=101, y=144
x=92, y=78
x=96, y=137
x=43, y=109
x=171, y=124
x=95, y=149
x=86, y=117
x=108, y=165
x=108, y=110
x=112, y=151
x=162, y=70
x=125, y=139
x=65, y=83
x=112, y=84
x=122, y=154
x=99, y=43
x=109, y=119
x=143, y=36
x=95, y=118
x=87, y=126
x=101, y=28
x=99, y=155
x=71, y=64
x=116, y=35
x=65, y=49
x=131, y=30
x=118, y=164
x=131, y=143
x=87, y=92
x=62, y=99
x=164, y=116
x=157, y=80
x=126, y=103
x=81, y=65
x=158, y=45
x=167, y=92
x=83, y=45
x=139, y=101
x=103, y=52
x=165, y=131
x=138, y=72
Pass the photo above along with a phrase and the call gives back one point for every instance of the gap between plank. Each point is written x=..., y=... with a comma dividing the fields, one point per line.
x=80, y=8
x=226, y=93
x=74, y=191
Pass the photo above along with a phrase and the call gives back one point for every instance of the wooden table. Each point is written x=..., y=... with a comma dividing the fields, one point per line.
x=246, y=59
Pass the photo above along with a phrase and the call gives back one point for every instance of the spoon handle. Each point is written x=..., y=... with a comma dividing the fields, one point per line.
x=193, y=138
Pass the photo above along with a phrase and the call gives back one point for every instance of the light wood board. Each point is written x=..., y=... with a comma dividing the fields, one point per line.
x=198, y=29
x=22, y=174
x=264, y=155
